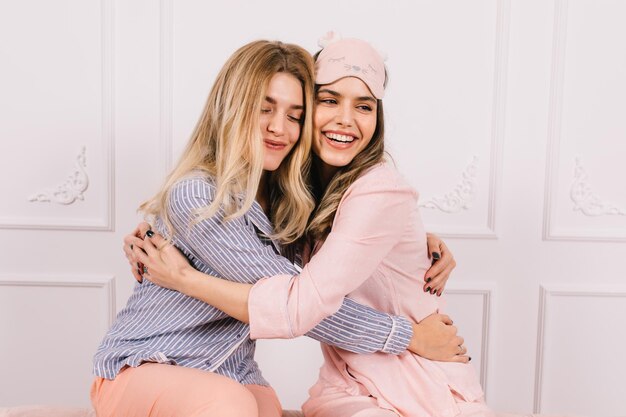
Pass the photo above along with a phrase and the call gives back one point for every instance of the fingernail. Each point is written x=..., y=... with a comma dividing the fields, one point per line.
x=131, y=246
x=438, y=294
x=427, y=289
x=149, y=233
x=436, y=255
x=434, y=291
x=470, y=359
x=427, y=279
x=139, y=271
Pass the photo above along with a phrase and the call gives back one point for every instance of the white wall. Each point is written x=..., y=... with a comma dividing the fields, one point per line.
x=508, y=116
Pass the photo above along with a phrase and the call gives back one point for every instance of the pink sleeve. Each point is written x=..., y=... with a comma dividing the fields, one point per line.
x=370, y=220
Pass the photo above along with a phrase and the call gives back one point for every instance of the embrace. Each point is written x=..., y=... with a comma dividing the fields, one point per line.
x=283, y=218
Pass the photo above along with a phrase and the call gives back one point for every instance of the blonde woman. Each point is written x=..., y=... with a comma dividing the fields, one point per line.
x=367, y=241
x=248, y=154
x=240, y=185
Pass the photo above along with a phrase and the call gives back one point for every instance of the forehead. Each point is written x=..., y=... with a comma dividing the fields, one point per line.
x=349, y=87
x=284, y=87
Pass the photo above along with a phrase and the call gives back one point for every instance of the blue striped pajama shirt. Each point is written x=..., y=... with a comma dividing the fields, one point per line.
x=165, y=326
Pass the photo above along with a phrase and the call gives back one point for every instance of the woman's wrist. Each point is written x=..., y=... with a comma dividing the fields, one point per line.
x=186, y=280
x=416, y=342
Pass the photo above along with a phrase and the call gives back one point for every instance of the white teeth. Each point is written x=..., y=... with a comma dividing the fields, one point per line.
x=340, y=138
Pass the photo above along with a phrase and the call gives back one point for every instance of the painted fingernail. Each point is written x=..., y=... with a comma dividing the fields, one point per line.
x=438, y=294
x=427, y=289
x=436, y=255
x=149, y=233
x=434, y=291
x=470, y=359
x=139, y=271
x=427, y=279
x=131, y=246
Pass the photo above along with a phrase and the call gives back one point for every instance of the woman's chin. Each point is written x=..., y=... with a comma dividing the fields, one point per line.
x=271, y=165
x=336, y=161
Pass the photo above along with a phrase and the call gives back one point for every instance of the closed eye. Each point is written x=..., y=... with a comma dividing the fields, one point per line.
x=327, y=101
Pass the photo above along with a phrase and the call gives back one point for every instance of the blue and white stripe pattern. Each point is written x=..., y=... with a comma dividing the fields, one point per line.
x=164, y=326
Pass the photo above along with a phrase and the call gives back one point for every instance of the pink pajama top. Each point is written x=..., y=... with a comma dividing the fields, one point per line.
x=376, y=253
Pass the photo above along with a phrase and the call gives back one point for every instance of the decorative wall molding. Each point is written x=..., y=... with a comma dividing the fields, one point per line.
x=105, y=222
x=554, y=141
x=461, y=197
x=72, y=189
x=108, y=105
x=106, y=283
x=498, y=119
x=585, y=200
x=548, y=292
x=166, y=84
x=556, y=109
x=486, y=291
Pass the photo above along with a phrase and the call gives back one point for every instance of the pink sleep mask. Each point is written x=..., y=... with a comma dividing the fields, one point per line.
x=351, y=58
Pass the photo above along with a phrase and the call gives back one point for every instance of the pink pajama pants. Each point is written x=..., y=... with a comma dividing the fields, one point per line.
x=342, y=404
x=158, y=390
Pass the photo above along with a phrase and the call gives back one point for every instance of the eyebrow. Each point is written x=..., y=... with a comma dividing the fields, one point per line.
x=336, y=94
x=293, y=106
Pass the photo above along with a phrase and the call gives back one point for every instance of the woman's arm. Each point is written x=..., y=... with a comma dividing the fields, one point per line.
x=354, y=327
x=368, y=223
x=166, y=267
x=373, y=216
x=436, y=277
x=433, y=338
x=440, y=343
x=235, y=252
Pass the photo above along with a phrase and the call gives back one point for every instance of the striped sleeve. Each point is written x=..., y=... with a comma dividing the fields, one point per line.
x=231, y=248
x=361, y=329
x=236, y=253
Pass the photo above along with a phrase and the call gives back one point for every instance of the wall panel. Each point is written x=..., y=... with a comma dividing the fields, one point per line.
x=586, y=141
x=56, y=115
x=50, y=327
x=581, y=333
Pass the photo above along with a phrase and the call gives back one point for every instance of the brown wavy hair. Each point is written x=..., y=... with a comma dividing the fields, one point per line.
x=328, y=199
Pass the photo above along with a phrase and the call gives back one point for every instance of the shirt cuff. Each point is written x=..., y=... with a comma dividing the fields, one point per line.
x=399, y=337
x=267, y=308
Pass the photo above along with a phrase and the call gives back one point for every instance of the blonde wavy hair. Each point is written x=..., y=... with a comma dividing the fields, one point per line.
x=227, y=143
x=328, y=199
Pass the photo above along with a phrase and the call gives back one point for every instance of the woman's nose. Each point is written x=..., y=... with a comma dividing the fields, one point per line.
x=276, y=124
x=345, y=116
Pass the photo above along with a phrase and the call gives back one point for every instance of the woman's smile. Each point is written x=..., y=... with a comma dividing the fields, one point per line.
x=340, y=140
x=345, y=121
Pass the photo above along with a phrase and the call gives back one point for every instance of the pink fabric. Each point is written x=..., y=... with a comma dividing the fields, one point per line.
x=377, y=255
x=46, y=411
x=159, y=390
x=58, y=411
x=351, y=58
